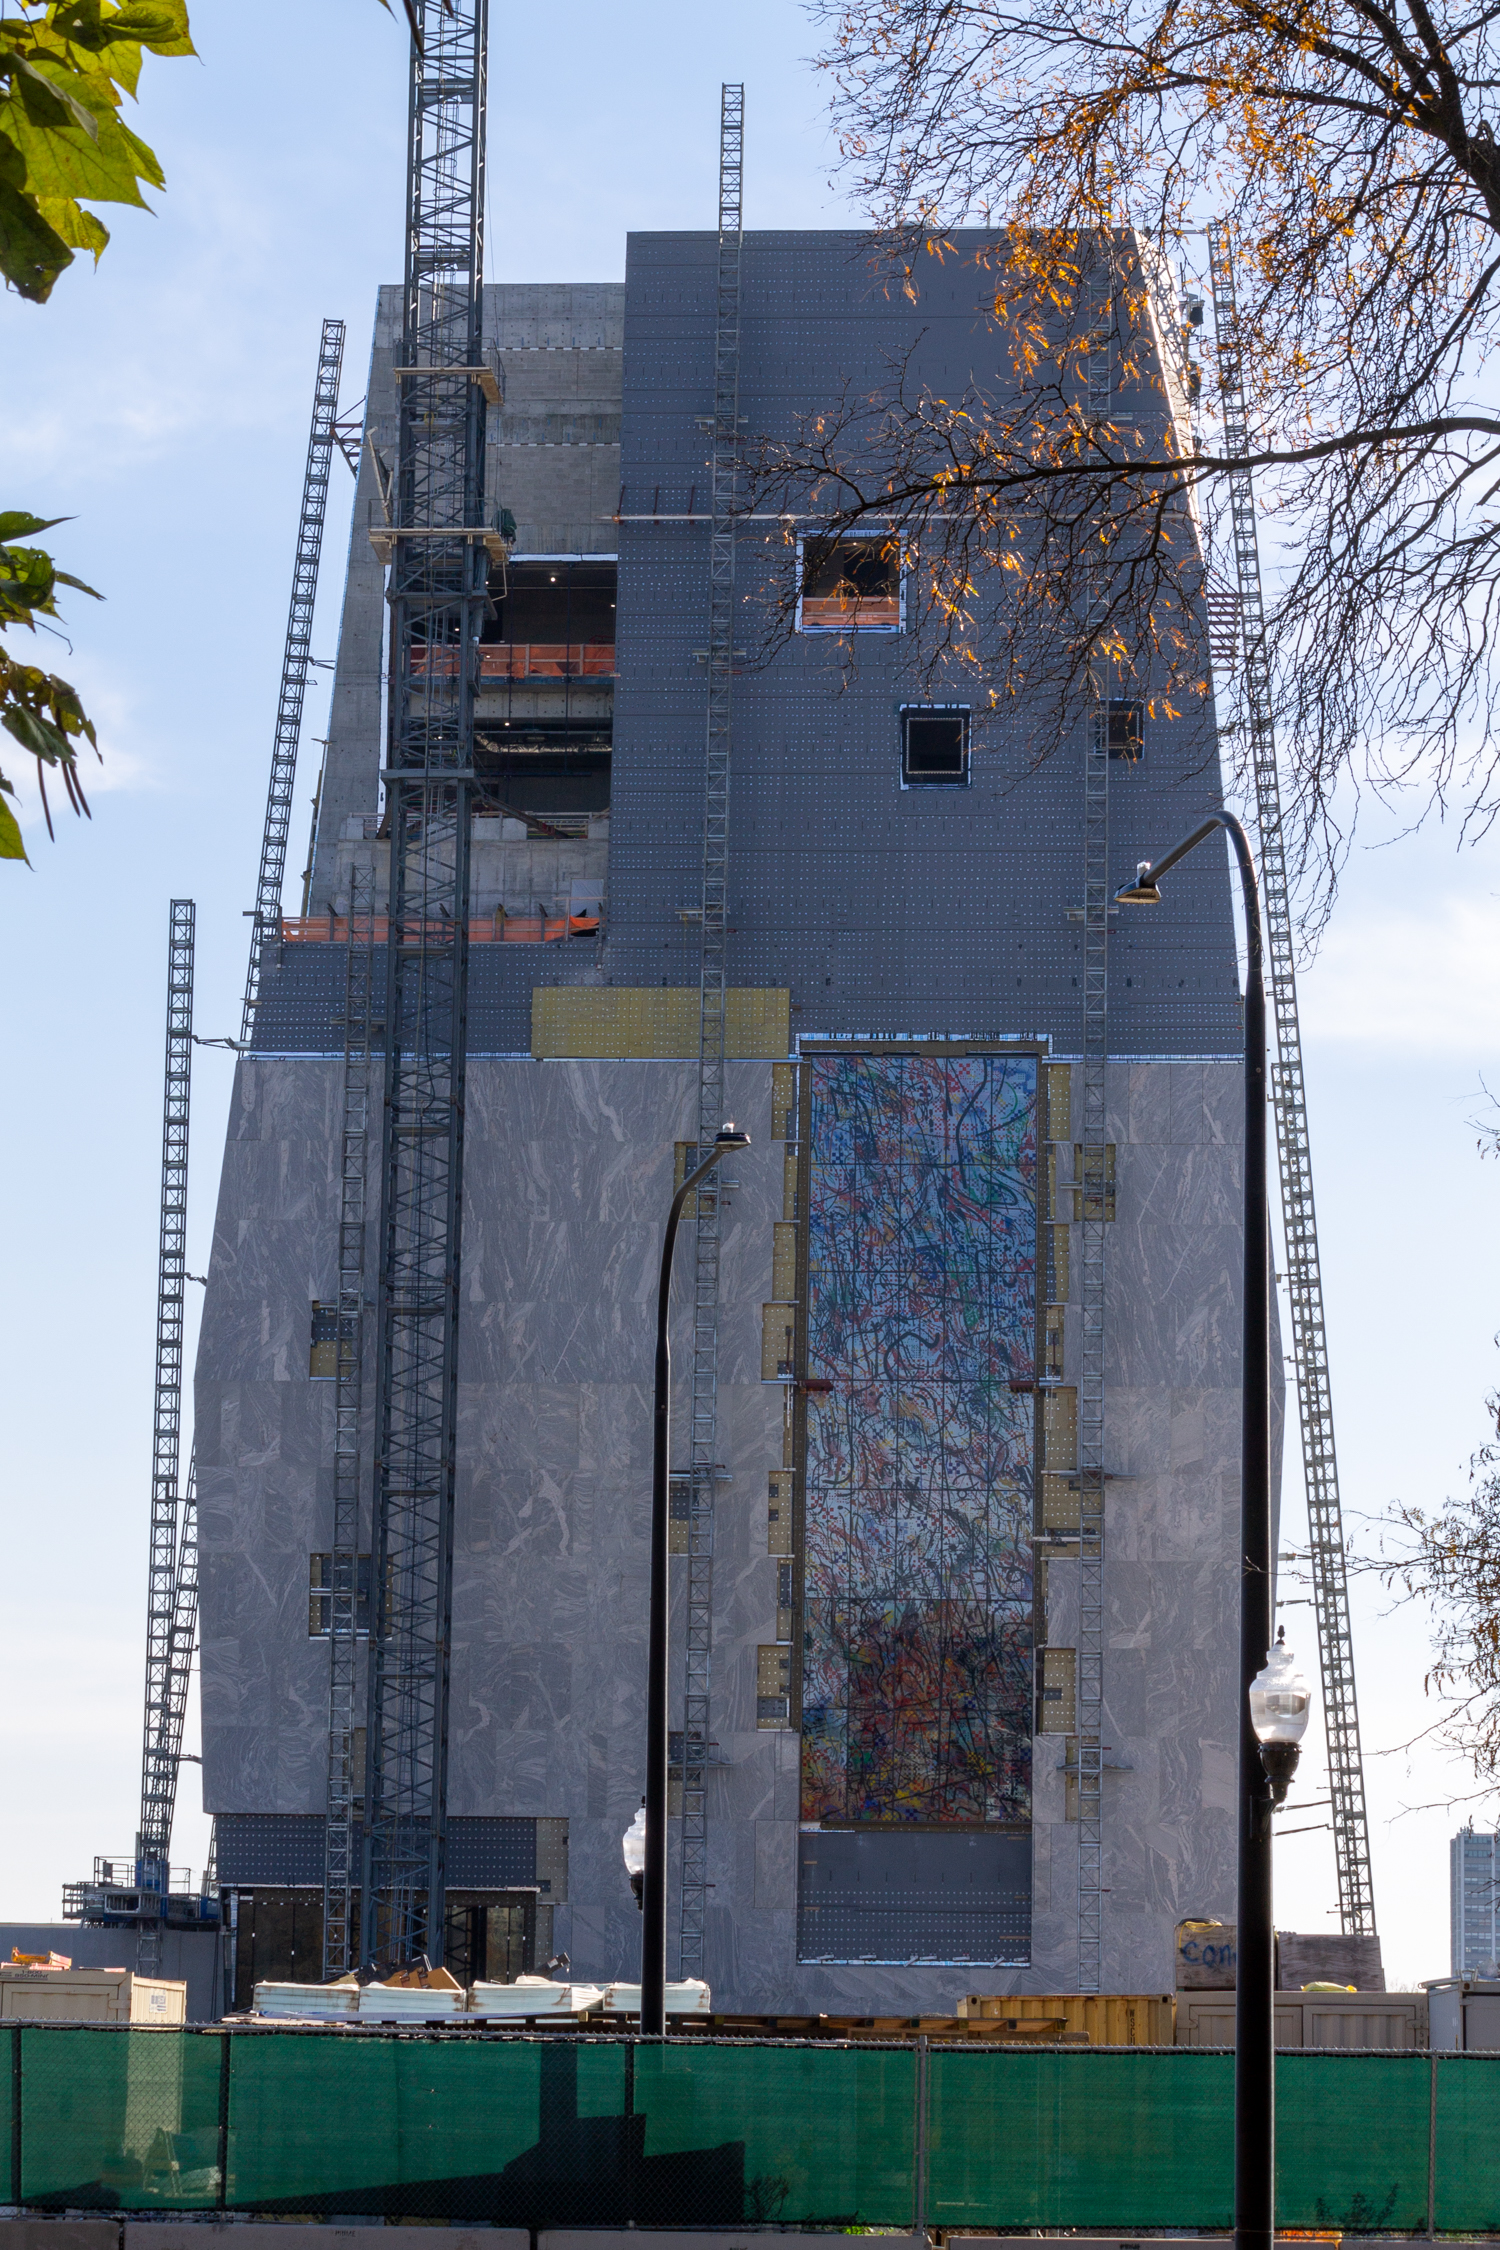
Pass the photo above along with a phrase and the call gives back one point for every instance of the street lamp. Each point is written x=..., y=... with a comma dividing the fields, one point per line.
x=1255, y=1978
x=654, y=1877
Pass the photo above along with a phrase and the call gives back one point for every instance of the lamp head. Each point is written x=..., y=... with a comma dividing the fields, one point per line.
x=633, y=1844
x=731, y=1135
x=1142, y=892
x=1280, y=1698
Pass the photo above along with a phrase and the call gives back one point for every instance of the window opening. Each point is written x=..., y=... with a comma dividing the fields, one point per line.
x=1125, y=725
x=850, y=586
x=934, y=746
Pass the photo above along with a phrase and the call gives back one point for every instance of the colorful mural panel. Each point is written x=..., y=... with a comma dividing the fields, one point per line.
x=921, y=1314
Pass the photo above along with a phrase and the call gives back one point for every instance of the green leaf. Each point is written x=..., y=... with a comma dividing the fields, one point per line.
x=66, y=578
x=11, y=846
x=36, y=734
x=26, y=579
x=73, y=225
x=15, y=523
x=160, y=25
x=32, y=254
x=63, y=161
x=50, y=101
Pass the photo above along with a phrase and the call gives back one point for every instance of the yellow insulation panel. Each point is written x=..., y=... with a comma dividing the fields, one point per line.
x=655, y=1022
x=1059, y=1101
x=783, y=1089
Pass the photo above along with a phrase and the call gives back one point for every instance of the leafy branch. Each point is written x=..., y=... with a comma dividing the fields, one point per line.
x=65, y=68
x=41, y=711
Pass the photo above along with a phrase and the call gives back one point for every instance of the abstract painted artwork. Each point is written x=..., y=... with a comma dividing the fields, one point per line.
x=921, y=1310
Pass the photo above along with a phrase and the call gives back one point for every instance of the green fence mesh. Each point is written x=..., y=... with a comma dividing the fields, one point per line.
x=1352, y=2141
x=119, y=2119
x=1466, y=2125
x=1138, y=2138
x=820, y=2136
x=558, y=2132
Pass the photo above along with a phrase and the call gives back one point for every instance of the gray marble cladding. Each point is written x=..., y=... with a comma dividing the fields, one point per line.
x=568, y=1172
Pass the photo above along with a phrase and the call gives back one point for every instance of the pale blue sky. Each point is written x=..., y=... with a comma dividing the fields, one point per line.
x=163, y=403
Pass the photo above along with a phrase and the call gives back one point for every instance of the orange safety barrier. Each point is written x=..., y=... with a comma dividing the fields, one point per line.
x=523, y=660
x=547, y=660
x=831, y=613
x=484, y=929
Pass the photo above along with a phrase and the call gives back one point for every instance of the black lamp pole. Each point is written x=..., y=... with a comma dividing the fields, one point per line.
x=1255, y=1988
x=654, y=1886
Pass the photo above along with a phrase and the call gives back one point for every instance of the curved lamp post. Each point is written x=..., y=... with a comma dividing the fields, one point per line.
x=654, y=1872
x=1255, y=1986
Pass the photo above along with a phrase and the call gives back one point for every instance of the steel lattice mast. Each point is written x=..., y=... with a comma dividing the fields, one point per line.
x=712, y=1002
x=167, y=1662
x=1091, y=1210
x=1351, y=1833
x=265, y=927
x=438, y=595
x=360, y=1080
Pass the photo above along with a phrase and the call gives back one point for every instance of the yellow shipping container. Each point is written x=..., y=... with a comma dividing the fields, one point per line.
x=1105, y=2019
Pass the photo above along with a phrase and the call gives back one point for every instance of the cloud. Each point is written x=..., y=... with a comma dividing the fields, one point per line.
x=1428, y=978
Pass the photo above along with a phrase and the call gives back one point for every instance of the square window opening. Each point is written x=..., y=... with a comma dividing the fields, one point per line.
x=934, y=747
x=1125, y=729
x=849, y=586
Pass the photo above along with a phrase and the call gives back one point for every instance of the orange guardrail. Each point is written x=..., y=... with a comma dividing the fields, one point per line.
x=523, y=660
x=833, y=614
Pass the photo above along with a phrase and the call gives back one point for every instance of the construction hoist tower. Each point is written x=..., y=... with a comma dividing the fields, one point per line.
x=265, y=927
x=712, y=998
x=437, y=594
x=1351, y=1832
x=172, y=1587
x=361, y=1083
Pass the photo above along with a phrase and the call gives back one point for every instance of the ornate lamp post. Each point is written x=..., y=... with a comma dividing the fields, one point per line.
x=1266, y=1696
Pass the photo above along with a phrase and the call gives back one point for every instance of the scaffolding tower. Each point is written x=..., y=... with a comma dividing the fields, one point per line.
x=168, y=1662
x=712, y=1001
x=437, y=593
x=360, y=1080
x=265, y=925
x=1351, y=1832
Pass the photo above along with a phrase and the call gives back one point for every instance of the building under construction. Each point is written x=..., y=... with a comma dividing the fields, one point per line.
x=599, y=860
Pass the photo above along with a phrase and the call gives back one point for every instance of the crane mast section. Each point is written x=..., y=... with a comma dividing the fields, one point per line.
x=438, y=595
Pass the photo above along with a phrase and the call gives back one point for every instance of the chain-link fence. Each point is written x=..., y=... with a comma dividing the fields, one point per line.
x=573, y=2130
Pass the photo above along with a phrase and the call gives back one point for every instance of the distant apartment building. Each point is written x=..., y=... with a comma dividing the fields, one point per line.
x=1474, y=1885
